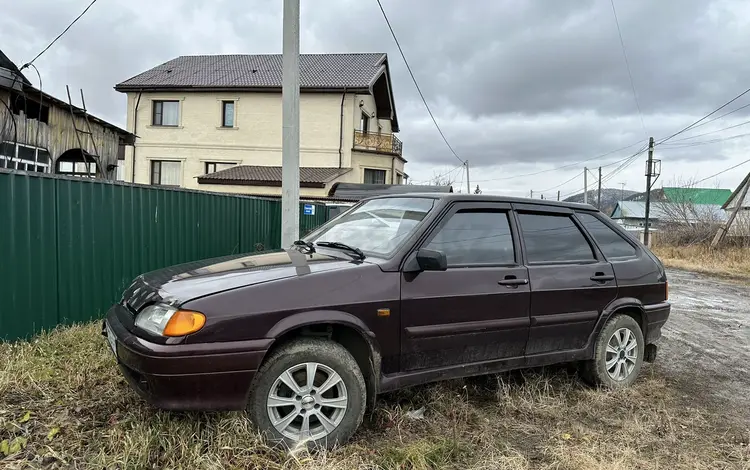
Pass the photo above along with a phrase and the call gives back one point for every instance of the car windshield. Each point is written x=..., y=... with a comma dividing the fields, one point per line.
x=378, y=227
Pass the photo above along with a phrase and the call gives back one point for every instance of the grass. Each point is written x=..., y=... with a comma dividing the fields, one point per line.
x=63, y=404
x=731, y=262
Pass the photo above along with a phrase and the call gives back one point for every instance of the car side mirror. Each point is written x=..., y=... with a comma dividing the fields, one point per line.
x=432, y=260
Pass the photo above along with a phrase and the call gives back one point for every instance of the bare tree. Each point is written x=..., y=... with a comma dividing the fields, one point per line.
x=441, y=180
x=682, y=220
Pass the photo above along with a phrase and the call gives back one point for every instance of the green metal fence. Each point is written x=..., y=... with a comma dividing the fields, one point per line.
x=68, y=247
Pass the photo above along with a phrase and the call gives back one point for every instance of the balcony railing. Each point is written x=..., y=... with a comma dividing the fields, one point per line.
x=384, y=143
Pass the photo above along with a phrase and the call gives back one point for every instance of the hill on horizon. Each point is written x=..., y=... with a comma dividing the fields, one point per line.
x=610, y=197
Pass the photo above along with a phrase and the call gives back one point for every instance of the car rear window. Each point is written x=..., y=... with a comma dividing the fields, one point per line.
x=553, y=238
x=475, y=238
x=612, y=244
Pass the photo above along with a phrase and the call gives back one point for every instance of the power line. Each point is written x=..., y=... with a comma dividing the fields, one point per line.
x=712, y=132
x=626, y=162
x=704, y=142
x=722, y=171
x=722, y=115
x=562, y=184
x=59, y=35
x=416, y=84
x=704, y=117
x=627, y=65
x=560, y=167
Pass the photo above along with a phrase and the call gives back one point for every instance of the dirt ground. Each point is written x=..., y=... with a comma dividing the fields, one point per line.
x=705, y=348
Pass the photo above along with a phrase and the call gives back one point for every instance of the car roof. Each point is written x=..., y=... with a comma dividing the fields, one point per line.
x=450, y=197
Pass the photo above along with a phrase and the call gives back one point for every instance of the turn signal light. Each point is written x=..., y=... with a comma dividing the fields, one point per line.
x=184, y=323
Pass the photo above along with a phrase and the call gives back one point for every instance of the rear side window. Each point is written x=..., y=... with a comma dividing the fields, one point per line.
x=609, y=241
x=481, y=237
x=553, y=238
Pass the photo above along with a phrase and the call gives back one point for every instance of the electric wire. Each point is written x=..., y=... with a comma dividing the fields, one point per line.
x=419, y=90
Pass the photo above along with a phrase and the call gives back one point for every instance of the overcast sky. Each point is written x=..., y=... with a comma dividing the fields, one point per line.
x=517, y=86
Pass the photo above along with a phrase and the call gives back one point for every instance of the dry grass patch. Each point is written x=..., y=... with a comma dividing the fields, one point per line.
x=732, y=262
x=63, y=404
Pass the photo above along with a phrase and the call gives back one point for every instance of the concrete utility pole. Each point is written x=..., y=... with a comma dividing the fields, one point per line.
x=531, y=194
x=468, y=185
x=290, y=125
x=585, y=185
x=649, y=172
x=599, y=192
x=558, y=194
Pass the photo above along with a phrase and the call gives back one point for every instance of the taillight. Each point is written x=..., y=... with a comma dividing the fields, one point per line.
x=666, y=290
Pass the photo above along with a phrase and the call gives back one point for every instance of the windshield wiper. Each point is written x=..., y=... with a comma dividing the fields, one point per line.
x=343, y=246
x=306, y=247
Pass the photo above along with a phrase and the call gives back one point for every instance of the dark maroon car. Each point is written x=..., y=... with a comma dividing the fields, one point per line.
x=397, y=291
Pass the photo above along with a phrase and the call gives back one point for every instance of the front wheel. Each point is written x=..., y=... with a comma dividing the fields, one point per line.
x=618, y=354
x=310, y=391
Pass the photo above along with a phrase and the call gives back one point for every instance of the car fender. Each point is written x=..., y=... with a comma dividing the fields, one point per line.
x=316, y=317
x=611, y=309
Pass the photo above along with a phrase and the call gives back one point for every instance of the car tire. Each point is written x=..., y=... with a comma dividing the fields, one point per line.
x=271, y=406
x=618, y=354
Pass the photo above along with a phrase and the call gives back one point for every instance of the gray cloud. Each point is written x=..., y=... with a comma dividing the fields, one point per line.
x=516, y=86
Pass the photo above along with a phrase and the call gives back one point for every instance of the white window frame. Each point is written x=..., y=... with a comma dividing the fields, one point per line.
x=15, y=159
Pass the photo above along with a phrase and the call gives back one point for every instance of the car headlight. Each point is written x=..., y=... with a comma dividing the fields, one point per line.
x=164, y=320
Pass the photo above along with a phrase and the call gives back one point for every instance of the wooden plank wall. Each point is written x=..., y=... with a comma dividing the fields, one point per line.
x=60, y=135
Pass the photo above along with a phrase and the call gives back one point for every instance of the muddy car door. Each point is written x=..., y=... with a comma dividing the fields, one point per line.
x=477, y=309
x=571, y=283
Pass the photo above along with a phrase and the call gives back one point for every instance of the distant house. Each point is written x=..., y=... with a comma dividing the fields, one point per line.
x=214, y=123
x=741, y=224
x=631, y=215
x=37, y=132
x=709, y=196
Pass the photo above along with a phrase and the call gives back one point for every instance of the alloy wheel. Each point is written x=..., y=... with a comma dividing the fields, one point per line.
x=307, y=401
x=622, y=354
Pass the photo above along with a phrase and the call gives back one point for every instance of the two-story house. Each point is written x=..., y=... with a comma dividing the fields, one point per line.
x=214, y=123
x=41, y=133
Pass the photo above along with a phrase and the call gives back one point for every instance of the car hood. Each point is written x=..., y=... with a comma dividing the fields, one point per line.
x=181, y=283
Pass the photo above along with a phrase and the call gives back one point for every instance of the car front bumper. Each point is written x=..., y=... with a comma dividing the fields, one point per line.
x=202, y=376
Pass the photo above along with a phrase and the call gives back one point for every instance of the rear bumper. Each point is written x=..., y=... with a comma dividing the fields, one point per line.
x=656, y=317
x=204, y=376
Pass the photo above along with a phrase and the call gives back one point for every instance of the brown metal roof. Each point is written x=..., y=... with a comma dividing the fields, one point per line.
x=317, y=71
x=310, y=177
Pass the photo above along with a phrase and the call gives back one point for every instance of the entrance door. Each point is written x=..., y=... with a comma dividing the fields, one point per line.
x=476, y=310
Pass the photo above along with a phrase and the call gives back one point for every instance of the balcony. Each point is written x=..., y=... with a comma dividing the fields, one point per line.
x=380, y=143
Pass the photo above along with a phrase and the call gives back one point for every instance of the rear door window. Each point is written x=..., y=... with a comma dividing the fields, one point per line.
x=475, y=238
x=553, y=238
x=612, y=244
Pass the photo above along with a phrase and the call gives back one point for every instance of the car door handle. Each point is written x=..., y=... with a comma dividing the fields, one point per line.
x=512, y=281
x=601, y=277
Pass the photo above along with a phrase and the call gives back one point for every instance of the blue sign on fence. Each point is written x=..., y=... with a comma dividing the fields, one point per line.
x=308, y=209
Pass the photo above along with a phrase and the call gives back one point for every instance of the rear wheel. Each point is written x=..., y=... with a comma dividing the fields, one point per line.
x=618, y=354
x=309, y=391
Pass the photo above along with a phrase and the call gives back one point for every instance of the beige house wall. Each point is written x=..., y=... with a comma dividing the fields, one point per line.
x=256, y=137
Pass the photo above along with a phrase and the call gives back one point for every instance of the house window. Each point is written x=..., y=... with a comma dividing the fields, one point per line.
x=364, y=122
x=374, y=176
x=213, y=167
x=227, y=114
x=23, y=157
x=165, y=173
x=82, y=169
x=166, y=113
